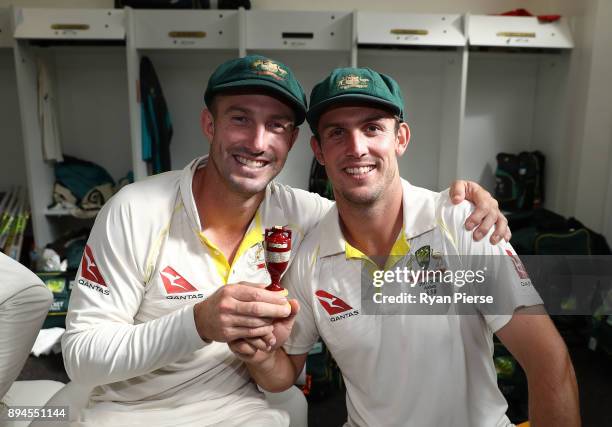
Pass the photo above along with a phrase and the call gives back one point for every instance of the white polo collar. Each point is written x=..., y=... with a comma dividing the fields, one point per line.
x=419, y=216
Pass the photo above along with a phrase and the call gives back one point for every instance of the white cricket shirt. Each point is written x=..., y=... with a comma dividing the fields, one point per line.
x=130, y=328
x=406, y=370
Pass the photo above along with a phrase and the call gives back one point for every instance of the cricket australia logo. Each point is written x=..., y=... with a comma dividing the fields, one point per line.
x=423, y=256
x=353, y=81
x=269, y=68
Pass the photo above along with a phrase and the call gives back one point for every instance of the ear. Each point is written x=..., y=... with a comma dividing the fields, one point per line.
x=316, y=149
x=207, y=123
x=403, y=138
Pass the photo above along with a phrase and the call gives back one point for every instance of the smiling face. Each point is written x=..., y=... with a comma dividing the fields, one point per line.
x=359, y=146
x=250, y=137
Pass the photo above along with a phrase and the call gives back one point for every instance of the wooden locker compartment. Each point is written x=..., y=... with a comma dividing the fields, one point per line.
x=69, y=24
x=89, y=73
x=312, y=52
x=378, y=28
x=518, y=31
x=298, y=30
x=205, y=40
x=517, y=101
x=185, y=29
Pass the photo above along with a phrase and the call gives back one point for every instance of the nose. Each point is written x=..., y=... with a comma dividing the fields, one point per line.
x=257, y=142
x=357, y=145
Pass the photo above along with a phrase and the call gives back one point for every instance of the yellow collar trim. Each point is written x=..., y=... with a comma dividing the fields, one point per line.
x=253, y=237
x=400, y=249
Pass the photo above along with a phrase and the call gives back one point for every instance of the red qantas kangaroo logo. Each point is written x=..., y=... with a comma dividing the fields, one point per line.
x=518, y=265
x=174, y=282
x=89, y=269
x=331, y=303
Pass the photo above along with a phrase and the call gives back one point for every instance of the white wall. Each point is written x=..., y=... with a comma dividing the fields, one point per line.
x=417, y=6
x=594, y=158
x=589, y=125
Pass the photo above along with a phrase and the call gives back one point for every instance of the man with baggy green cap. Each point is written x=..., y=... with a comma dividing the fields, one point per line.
x=406, y=364
x=174, y=267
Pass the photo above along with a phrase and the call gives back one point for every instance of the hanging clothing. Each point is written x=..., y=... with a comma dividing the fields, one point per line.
x=47, y=114
x=156, y=123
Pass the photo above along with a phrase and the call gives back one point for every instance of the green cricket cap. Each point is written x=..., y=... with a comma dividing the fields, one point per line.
x=256, y=71
x=362, y=85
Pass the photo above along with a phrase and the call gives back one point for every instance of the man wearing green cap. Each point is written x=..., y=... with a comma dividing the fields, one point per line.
x=429, y=364
x=150, y=315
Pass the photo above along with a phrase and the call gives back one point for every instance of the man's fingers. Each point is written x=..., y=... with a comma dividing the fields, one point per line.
x=235, y=333
x=484, y=227
x=457, y=191
x=249, y=321
x=261, y=343
x=501, y=229
x=251, y=293
x=242, y=347
x=262, y=309
x=476, y=218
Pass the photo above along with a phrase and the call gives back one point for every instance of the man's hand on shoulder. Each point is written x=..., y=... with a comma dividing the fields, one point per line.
x=238, y=311
x=486, y=212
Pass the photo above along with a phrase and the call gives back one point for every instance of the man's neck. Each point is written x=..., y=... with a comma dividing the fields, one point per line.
x=373, y=229
x=224, y=214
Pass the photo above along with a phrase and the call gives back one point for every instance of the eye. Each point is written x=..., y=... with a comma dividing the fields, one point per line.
x=373, y=128
x=279, y=127
x=335, y=133
x=239, y=120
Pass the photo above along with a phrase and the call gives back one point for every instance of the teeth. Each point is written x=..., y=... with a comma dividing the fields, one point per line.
x=359, y=171
x=250, y=163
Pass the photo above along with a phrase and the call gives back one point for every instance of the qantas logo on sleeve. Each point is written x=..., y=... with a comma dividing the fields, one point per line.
x=89, y=269
x=90, y=274
x=335, y=306
x=518, y=265
x=177, y=284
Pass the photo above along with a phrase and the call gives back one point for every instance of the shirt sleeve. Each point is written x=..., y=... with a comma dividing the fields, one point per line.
x=505, y=277
x=24, y=304
x=298, y=281
x=102, y=343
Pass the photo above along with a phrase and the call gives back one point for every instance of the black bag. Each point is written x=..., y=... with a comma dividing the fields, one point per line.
x=507, y=190
x=156, y=4
x=531, y=177
x=520, y=180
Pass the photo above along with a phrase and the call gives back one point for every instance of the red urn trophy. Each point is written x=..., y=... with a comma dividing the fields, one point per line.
x=277, y=246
